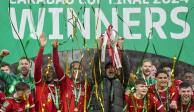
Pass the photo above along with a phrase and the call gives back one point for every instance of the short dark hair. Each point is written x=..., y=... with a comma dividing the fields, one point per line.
x=189, y=71
x=108, y=64
x=3, y=64
x=21, y=86
x=166, y=64
x=47, y=68
x=146, y=60
x=161, y=71
x=184, y=85
x=140, y=81
x=72, y=63
x=24, y=57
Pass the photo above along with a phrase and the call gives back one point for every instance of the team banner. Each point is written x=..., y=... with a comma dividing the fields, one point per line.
x=162, y=27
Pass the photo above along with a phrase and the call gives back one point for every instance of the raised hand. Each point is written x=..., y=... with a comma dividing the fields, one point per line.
x=4, y=53
x=99, y=41
x=55, y=44
x=120, y=43
x=42, y=40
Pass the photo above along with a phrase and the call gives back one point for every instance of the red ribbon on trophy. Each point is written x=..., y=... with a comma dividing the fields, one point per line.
x=110, y=39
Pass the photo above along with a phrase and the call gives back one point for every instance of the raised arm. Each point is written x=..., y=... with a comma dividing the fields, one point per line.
x=97, y=66
x=125, y=70
x=38, y=60
x=125, y=67
x=10, y=79
x=59, y=71
x=3, y=75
